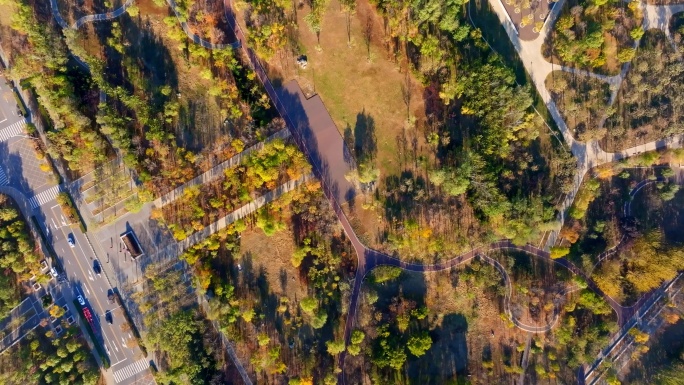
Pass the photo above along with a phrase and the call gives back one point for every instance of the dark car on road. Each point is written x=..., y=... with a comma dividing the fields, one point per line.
x=97, y=268
x=108, y=317
x=71, y=240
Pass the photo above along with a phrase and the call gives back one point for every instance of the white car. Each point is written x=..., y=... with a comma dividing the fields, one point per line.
x=81, y=300
x=53, y=272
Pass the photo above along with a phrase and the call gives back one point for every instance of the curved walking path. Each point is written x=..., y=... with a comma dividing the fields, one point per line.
x=588, y=154
x=368, y=258
x=626, y=211
x=194, y=37
x=102, y=16
x=120, y=11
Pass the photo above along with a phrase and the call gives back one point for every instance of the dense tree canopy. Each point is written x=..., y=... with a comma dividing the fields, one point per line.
x=18, y=260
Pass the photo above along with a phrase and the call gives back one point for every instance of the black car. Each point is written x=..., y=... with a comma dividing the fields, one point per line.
x=97, y=268
x=108, y=317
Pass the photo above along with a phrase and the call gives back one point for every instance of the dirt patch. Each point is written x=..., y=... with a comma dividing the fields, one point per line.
x=272, y=255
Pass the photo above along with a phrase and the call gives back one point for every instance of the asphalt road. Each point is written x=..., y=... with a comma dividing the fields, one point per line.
x=128, y=364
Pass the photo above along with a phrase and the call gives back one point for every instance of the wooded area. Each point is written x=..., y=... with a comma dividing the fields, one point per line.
x=292, y=335
x=648, y=107
x=648, y=251
x=582, y=101
x=48, y=359
x=19, y=259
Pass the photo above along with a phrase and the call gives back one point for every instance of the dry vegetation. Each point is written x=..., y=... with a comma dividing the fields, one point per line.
x=647, y=241
x=357, y=80
x=582, y=102
x=468, y=335
x=648, y=106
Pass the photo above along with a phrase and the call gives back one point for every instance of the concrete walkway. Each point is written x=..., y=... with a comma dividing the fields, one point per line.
x=588, y=154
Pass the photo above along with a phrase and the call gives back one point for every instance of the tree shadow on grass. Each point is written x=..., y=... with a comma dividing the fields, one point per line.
x=365, y=142
x=403, y=193
x=447, y=358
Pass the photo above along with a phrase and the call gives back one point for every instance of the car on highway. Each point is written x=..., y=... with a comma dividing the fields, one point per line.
x=71, y=240
x=109, y=317
x=53, y=272
x=97, y=268
x=81, y=300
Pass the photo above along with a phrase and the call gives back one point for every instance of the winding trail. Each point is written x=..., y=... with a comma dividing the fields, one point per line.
x=588, y=154
x=196, y=38
x=102, y=16
x=626, y=211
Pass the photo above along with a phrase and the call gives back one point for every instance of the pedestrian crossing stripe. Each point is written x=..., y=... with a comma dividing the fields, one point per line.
x=13, y=130
x=131, y=370
x=44, y=197
x=3, y=178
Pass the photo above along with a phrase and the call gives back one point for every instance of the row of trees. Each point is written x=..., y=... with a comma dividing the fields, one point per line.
x=141, y=117
x=582, y=100
x=18, y=257
x=60, y=89
x=647, y=107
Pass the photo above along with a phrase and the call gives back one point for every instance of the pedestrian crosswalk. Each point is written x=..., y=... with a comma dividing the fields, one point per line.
x=44, y=197
x=13, y=130
x=3, y=178
x=131, y=370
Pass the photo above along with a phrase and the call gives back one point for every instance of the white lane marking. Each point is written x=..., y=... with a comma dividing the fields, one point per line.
x=69, y=261
x=86, y=289
x=118, y=362
x=101, y=289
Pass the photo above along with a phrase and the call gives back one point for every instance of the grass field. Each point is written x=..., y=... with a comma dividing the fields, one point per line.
x=366, y=92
